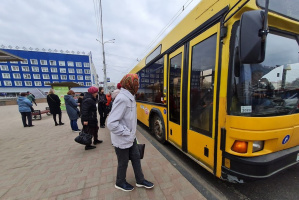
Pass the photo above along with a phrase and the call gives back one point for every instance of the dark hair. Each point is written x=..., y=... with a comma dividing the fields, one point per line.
x=100, y=88
x=23, y=94
x=82, y=94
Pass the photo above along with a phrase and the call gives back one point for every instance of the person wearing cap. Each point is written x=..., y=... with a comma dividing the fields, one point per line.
x=89, y=115
x=72, y=110
x=25, y=109
x=122, y=123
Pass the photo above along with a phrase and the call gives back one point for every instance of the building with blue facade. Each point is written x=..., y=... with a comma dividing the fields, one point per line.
x=41, y=68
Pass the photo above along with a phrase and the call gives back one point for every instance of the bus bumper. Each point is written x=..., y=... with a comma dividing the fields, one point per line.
x=245, y=169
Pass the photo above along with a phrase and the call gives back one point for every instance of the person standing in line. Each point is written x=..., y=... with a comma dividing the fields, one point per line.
x=109, y=103
x=31, y=97
x=80, y=99
x=72, y=110
x=89, y=115
x=25, y=109
x=122, y=123
x=54, y=104
x=116, y=92
x=102, y=107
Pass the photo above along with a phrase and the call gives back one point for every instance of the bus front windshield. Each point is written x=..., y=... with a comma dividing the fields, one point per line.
x=270, y=88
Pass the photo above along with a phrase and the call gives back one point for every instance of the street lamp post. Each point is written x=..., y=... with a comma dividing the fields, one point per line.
x=104, y=62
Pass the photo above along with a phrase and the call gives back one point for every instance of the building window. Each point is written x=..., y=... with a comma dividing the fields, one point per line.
x=25, y=69
x=87, y=77
x=7, y=83
x=79, y=71
x=54, y=76
x=55, y=81
x=37, y=83
x=88, y=84
x=72, y=71
x=72, y=77
x=63, y=77
x=15, y=68
x=61, y=63
x=18, y=83
x=36, y=76
x=16, y=76
x=86, y=71
x=46, y=76
x=81, y=83
x=86, y=64
x=78, y=64
x=80, y=77
x=33, y=61
x=52, y=62
x=54, y=69
x=15, y=62
x=46, y=83
x=62, y=70
x=70, y=63
x=5, y=75
x=35, y=69
x=4, y=68
x=28, y=83
x=45, y=69
x=27, y=76
x=43, y=62
x=24, y=62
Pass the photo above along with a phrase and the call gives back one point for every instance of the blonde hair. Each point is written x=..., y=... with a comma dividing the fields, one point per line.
x=51, y=91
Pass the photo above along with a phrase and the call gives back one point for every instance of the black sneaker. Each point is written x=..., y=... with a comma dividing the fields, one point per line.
x=97, y=142
x=60, y=123
x=90, y=147
x=56, y=124
x=145, y=184
x=124, y=187
x=30, y=125
x=102, y=126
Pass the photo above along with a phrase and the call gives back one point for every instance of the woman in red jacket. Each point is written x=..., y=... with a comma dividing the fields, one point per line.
x=108, y=104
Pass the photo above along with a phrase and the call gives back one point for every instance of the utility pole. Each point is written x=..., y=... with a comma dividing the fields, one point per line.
x=103, y=50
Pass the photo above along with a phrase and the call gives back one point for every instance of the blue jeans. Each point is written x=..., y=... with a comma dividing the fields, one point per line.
x=74, y=125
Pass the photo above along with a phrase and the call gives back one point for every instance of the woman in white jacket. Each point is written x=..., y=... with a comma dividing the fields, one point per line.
x=122, y=123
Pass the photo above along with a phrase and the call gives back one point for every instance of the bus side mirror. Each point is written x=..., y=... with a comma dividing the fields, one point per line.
x=252, y=40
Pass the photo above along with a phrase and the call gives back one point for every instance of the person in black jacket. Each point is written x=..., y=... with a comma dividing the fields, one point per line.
x=89, y=115
x=102, y=107
x=54, y=104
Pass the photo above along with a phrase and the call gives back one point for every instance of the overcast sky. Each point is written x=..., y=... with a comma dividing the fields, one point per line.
x=72, y=25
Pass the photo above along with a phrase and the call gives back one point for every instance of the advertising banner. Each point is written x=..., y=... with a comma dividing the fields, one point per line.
x=60, y=91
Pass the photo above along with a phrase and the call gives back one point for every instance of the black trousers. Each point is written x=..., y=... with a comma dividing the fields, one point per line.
x=27, y=115
x=102, y=113
x=123, y=156
x=92, y=130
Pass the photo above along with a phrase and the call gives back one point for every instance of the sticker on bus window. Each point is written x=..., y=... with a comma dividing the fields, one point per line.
x=246, y=109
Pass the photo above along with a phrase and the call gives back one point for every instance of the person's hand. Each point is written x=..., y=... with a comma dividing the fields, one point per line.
x=78, y=104
x=85, y=123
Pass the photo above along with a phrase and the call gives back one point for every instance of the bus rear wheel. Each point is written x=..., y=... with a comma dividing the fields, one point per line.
x=158, y=129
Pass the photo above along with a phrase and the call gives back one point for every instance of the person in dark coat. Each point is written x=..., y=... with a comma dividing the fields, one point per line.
x=54, y=104
x=80, y=99
x=89, y=116
x=25, y=109
x=72, y=110
x=102, y=107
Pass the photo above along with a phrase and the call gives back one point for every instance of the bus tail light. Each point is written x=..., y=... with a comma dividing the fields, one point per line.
x=240, y=146
x=257, y=146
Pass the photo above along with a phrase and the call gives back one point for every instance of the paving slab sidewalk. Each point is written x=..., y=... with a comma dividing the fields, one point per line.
x=44, y=162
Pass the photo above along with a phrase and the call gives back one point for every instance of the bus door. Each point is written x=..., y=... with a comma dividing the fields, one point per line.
x=175, y=73
x=201, y=97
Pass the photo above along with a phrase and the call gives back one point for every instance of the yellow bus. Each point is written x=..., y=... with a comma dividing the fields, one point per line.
x=223, y=87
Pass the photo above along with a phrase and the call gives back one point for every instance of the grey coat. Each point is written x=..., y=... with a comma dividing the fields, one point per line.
x=122, y=120
x=71, y=107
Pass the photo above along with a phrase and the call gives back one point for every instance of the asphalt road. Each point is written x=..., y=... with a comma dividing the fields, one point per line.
x=284, y=185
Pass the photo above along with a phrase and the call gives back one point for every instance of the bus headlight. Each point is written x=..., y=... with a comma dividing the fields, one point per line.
x=257, y=146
